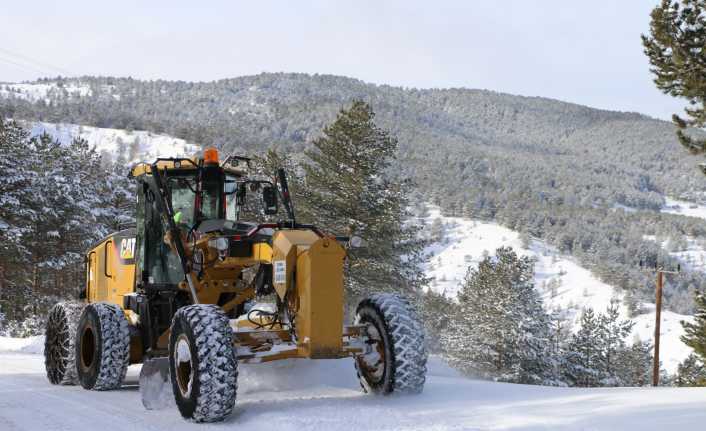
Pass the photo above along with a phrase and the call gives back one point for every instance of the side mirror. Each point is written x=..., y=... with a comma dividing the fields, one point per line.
x=356, y=242
x=240, y=194
x=269, y=199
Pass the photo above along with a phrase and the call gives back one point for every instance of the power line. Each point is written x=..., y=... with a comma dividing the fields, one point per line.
x=24, y=67
x=37, y=63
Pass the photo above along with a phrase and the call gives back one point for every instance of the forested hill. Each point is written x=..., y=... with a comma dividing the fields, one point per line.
x=464, y=134
x=580, y=150
x=551, y=169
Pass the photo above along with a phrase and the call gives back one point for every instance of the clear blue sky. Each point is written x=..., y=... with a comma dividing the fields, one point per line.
x=586, y=52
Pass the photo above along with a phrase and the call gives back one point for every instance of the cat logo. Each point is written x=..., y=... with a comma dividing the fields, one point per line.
x=127, y=248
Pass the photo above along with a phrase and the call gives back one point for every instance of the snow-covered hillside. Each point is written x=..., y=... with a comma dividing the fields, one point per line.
x=324, y=395
x=133, y=145
x=562, y=282
x=38, y=91
x=685, y=208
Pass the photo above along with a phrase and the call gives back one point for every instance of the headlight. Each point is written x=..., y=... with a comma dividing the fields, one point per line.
x=220, y=244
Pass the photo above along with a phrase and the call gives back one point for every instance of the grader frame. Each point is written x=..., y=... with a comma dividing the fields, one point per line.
x=173, y=294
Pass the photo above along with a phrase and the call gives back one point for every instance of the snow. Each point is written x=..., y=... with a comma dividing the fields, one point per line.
x=320, y=394
x=155, y=386
x=24, y=345
x=156, y=394
x=691, y=257
x=685, y=208
x=147, y=145
x=466, y=241
x=35, y=92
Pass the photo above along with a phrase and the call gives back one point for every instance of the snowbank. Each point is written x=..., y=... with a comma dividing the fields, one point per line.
x=23, y=345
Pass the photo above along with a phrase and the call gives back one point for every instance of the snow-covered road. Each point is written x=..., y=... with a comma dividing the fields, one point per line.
x=324, y=395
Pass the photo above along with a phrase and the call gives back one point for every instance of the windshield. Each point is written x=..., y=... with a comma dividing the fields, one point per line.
x=183, y=189
x=183, y=198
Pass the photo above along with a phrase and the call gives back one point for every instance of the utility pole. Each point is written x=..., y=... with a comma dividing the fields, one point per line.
x=658, y=320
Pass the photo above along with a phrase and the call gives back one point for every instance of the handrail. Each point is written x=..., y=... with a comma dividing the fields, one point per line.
x=105, y=259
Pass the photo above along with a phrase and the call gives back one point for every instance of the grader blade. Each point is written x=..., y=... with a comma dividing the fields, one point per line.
x=155, y=385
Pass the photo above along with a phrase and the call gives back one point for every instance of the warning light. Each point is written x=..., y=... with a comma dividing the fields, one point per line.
x=210, y=156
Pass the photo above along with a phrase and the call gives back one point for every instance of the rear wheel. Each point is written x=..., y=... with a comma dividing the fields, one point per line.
x=59, y=346
x=202, y=365
x=102, y=347
x=395, y=360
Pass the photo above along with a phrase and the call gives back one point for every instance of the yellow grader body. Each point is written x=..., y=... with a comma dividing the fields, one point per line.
x=319, y=294
x=192, y=290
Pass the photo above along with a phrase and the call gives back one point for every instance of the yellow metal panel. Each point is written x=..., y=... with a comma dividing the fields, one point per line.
x=146, y=168
x=111, y=272
x=319, y=285
x=285, y=244
x=262, y=252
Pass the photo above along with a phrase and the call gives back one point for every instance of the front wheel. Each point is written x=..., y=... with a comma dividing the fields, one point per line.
x=396, y=357
x=202, y=365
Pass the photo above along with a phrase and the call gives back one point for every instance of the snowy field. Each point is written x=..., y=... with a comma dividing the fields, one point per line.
x=324, y=395
x=136, y=145
x=561, y=281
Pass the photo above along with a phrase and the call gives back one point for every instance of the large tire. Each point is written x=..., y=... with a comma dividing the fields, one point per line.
x=102, y=347
x=202, y=365
x=59, y=337
x=396, y=361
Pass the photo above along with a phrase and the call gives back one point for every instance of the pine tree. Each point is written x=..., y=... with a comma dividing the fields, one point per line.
x=436, y=313
x=117, y=208
x=633, y=364
x=267, y=166
x=350, y=190
x=597, y=354
x=583, y=354
x=695, y=333
x=675, y=48
x=500, y=330
x=691, y=372
x=536, y=363
x=15, y=189
x=612, y=332
x=51, y=198
x=65, y=203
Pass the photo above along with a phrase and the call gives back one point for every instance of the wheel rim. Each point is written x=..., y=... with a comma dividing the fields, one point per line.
x=88, y=347
x=372, y=363
x=183, y=366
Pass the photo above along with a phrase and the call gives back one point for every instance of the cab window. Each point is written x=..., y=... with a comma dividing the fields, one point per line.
x=231, y=203
x=183, y=199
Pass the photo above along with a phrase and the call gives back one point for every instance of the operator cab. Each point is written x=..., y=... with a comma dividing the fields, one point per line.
x=206, y=197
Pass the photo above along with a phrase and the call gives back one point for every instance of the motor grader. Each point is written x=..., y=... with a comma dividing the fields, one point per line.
x=185, y=293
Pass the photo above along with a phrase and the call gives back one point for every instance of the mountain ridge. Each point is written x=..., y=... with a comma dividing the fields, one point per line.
x=357, y=80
